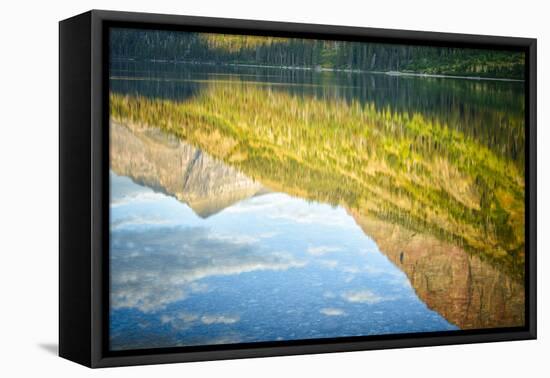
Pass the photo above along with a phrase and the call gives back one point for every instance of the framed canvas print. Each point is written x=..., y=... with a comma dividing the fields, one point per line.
x=233, y=188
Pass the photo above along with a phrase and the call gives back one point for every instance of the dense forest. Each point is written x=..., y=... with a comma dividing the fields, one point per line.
x=314, y=54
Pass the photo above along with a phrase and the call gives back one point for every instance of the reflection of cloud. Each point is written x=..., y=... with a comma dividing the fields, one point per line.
x=136, y=198
x=330, y=311
x=197, y=287
x=260, y=204
x=267, y=235
x=351, y=269
x=180, y=321
x=185, y=320
x=376, y=271
x=226, y=339
x=219, y=319
x=349, y=278
x=242, y=238
x=331, y=264
x=124, y=191
x=362, y=296
x=151, y=269
x=237, y=239
x=303, y=216
x=322, y=249
x=138, y=221
x=282, y=206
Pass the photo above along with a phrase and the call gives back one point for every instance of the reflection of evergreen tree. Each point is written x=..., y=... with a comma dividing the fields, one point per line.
x=490, y=112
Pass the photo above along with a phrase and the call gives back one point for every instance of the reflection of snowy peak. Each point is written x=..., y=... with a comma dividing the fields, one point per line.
x=163, y=163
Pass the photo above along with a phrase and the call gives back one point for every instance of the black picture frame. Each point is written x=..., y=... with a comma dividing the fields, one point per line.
x=84, y=189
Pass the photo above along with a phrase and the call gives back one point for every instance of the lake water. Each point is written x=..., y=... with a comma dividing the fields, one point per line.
x=487, y=110
x=203, y=253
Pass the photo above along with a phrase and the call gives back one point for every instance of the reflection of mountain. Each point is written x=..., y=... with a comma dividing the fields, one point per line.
x=152, y=158
x=398, y=167
x=408, y=174
x=463, y=288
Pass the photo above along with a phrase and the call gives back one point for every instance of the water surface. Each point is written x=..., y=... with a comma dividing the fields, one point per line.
x=270, y=267
x=212, y=247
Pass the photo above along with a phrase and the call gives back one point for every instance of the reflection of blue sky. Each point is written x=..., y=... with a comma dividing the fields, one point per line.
x=272, y=267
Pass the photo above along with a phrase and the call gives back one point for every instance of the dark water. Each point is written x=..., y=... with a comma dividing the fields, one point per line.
x=202, y=254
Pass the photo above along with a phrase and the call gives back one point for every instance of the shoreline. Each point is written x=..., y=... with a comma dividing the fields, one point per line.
x=324, y=69
x=414, y=74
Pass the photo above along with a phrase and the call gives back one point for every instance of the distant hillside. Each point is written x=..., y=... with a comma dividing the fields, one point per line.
x=315, y=54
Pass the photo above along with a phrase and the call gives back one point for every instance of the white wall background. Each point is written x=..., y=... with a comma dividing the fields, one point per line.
x=29, y=188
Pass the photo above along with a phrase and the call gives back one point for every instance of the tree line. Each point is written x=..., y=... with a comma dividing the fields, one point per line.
x=317, y=54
